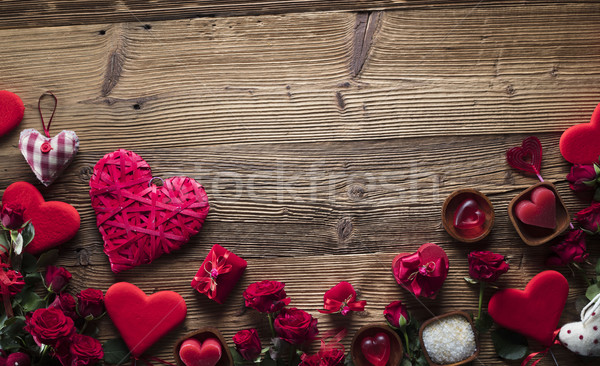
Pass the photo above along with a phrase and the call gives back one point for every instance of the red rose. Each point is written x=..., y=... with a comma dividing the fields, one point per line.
x=247, y=344
x=12, y=216
x=589, y=218
x=396, y=314
x=18, y=359
x=266, y=296
x=57, y=278
x=486, y=266
x=67, y=303
x=85, y=350
x=571, y=249
x=342, y=298
x=13, y=281
x=296, y=326
x=48, y=326
x=583, y=177
x=90, y=303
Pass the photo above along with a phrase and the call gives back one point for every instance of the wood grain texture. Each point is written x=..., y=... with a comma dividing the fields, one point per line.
x=327, y=141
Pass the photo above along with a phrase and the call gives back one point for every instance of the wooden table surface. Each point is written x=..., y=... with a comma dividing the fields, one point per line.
x=327, y=133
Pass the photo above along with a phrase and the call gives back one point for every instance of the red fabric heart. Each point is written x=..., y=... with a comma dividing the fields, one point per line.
x=423, y=272
x=540, y=210
x=527, y=157
x=580, y=144
x=468, y=215
x=11, y=111
x=142, y=320
x=54, y=222
x=376, y=349
x=195, y=353
x=139, y=221
x=534, y=312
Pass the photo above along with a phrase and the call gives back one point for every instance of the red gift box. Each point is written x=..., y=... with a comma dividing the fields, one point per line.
x=219, y=273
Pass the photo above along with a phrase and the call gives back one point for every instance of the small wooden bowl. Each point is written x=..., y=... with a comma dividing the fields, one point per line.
x=532, y=235
x=437, y=318
x=201, y=335
x=396, y=350
x=449, y=208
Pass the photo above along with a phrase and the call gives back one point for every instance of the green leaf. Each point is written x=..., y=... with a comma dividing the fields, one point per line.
x=28, y=233
x=268, y=361
x=115, y=351
x=471, y=281
x=406, y=362
x=237, y=358
x=592, y=291
x=28, y=263
x=47, y=258
x=422, y=361
x=348, y=360
x=580, y=303
x=509, y=345
x=30, y=301
x=484, y=323
x=32, y=278
x=598, y=267
x=597, y=194
x=13, y=326
x=4, y=244
x=597, y=169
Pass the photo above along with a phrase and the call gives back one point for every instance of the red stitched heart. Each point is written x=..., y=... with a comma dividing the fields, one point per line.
x=534, y=312
x=376, y=349
x=527, y=157
x=139, y=221
x=580, y=144
x=142, y=320
x=195, y=353
x=468, y=215
x=11, y=111
x=540, y=210
x=44, y=216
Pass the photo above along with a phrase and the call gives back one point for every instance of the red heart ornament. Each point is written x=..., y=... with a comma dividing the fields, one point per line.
x=468, y=215
x=142, y=320
x=54, y=222
x=534, y=312
x=540, y=210
x=11, y=111
x=376, y=349
x=195, y=353
x=138, y=220
x=422, y=272
x=527, y=157
x=580, y=144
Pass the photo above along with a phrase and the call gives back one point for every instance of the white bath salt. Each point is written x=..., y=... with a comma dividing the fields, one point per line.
x=449, y=340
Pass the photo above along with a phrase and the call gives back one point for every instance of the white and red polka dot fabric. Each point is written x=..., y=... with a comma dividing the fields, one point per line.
x=583, y=338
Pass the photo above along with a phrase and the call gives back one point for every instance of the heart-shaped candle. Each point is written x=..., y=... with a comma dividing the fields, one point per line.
x=376, y=349
x=468, y=215
x=540, y=210
x=195, y=353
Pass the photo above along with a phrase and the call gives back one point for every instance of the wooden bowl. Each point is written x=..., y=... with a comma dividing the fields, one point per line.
x=201, y=335
x=437, y=318
x=532, y=235
x=449, y=208
x=396, y=350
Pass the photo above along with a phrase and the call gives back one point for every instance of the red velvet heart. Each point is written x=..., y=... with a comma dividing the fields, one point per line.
x=534, y=312
x=580, y=144
x=527, y=157
x=540, y=211
x=54, y=222
x=11, y=111
x=376, y=349
x=142, y=320
x=424, y=277
x=195, y=353
x=138, y=220
x=468, y=215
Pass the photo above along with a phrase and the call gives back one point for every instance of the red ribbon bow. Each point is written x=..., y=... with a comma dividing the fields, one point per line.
x=207, y=282
x=423, y=279
x=542, y=353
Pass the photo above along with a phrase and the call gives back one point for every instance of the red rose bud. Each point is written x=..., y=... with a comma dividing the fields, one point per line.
x=57, y=278
x=342, y=298
x=85, y=350
x=18, y=359
x=12, y=216
x=13, y=283
x=67, y=303
x=486, y=266
x=48, y=326
x=330, y=357
x=397, y=314
x=247, y=344
x=583, y=177
x=90, y=303
x=266, y=296
x=571, y=249
x=295, y=326
x=589, y=218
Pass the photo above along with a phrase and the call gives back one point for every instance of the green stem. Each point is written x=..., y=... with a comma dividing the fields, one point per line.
x=582, y=273
x=84, y=326
x=44, y=350
x=271, y=321
x=292, y=352
x=481, y=289
x=407, y=344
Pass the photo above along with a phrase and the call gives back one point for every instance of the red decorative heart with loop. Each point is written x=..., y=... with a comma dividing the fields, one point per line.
x=534, y=312
x=580, y=144
x=138, y=220
x=376, y=349
x=527, y=157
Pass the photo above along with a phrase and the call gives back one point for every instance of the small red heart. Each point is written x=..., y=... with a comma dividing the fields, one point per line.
x=142, y=320
x=579, y=143
x=195, y=353
x=11, y=111
x=376, y=349
x=44, y=216
x=468, y=215
x=534, y=312
x=540, y=210
x=527, y=157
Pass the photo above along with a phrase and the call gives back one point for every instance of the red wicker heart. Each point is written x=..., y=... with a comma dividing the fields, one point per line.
x=138, y=220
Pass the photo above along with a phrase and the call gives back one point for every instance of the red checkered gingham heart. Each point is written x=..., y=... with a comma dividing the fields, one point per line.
x=48, y=157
